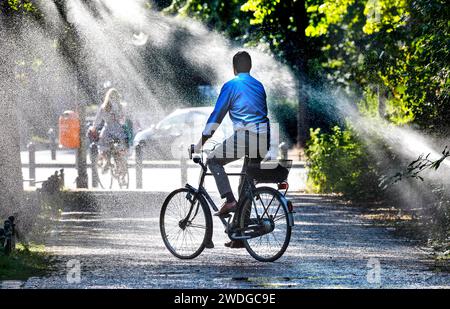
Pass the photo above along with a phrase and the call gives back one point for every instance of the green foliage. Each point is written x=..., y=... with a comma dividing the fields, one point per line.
x=374, y=105
x=340, y=163
x=386, y=14
x=378, y=14
x=221, y=15
x=369, y=105
x=325, y=13
x=24, y=262
x=402, y=47
x=274, y=23
x=280, y=25
x=262, y=10
x=22, y=6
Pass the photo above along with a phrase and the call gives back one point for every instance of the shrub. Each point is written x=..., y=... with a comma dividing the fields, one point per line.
x=340, y=163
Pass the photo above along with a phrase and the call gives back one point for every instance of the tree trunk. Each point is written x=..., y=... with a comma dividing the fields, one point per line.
x=299, y=55
x=82, y=178
x=302, y=117
x=11, y=181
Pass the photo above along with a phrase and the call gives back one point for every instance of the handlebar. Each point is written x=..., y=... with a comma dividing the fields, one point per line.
x=197, y=158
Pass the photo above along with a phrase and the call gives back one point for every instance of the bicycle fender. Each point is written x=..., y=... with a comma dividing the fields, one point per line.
x=199, y=196
x=290, y=214
x=188, y=186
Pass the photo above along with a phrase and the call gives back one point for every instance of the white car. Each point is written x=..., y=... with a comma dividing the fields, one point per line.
x=171, y=137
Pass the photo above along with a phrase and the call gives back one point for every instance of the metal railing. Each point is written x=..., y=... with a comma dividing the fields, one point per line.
x=138, y=164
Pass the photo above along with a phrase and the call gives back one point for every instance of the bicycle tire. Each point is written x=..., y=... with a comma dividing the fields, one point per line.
x=208, y=224
x=127, y=175
x=127, y=184
x=249, y=242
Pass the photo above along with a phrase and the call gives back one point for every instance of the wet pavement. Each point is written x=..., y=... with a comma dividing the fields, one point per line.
x=331, y=247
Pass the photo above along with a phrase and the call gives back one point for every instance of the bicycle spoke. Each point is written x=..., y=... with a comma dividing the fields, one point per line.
x=184, y=240
x=279, y=218
x=271, y=245
x=197, y=226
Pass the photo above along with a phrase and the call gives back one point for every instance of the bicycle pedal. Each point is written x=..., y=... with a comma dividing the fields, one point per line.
x=236, y=237
x=225, y=216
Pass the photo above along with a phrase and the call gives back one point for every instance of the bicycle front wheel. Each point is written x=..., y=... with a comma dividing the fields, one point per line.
x=185, y=224
x=119, y=172
x=266, y=212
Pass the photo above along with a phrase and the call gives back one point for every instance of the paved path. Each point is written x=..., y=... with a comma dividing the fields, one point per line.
x=330, y=248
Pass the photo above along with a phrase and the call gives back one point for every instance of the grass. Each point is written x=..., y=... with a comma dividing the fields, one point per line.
x=24, y=262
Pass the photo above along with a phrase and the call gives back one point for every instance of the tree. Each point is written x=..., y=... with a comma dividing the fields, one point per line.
x=400, y=47
x=11, y=185
x=11, y=181
x=280, y=25
x=224, y=16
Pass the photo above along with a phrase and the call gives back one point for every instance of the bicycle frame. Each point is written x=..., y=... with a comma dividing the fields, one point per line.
x=114, y=151
x=246, y=191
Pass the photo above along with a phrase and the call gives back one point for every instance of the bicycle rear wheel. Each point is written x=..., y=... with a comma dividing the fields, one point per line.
x=266, y=210
x=185, y=227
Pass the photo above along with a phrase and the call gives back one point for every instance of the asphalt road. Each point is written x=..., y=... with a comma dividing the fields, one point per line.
x=331, y=247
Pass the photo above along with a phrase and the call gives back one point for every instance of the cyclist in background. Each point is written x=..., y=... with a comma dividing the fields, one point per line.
x=113, y=125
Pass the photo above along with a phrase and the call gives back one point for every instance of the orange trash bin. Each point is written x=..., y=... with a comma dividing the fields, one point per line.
x=69, y=130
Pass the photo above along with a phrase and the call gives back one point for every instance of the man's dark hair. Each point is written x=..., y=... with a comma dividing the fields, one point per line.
x=242, y=62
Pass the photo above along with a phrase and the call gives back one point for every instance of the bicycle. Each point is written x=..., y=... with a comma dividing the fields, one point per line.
x=263, y=219
x=116, y=164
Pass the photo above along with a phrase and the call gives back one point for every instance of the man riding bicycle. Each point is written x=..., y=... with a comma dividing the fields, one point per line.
x=244, y=98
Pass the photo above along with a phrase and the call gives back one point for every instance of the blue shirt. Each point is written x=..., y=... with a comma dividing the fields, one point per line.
x=244, y=98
